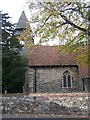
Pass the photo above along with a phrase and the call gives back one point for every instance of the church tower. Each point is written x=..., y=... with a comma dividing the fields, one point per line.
x=22, y=25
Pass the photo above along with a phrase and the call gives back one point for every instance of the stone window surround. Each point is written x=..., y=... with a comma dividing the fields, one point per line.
x=71, y=78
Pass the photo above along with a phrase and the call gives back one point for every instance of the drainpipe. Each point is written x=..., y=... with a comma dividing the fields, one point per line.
x=83, y=84
x=35, y=80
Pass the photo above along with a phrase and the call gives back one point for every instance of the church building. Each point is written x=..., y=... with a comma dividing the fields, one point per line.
x=50, y=70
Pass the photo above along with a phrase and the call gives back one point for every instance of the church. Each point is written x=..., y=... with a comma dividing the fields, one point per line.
x=51, y=71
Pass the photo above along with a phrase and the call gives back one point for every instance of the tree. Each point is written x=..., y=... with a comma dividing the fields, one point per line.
x=65, y=21
x=13, y=65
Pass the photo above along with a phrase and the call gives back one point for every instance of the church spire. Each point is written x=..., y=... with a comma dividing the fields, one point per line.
x=22, y=24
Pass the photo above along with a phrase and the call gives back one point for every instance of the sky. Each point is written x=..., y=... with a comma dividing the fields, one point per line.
x=14, y=8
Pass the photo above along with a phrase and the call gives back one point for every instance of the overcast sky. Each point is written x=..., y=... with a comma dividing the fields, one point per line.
x=14, y=8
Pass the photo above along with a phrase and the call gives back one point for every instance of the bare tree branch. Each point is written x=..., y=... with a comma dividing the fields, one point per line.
x=61, y=24
x=46, y=20
x=72, y=24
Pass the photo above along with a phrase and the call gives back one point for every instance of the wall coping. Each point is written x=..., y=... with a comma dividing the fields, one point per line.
x=46, y=94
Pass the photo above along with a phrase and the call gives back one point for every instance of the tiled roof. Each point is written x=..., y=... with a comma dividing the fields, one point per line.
x=51, y=56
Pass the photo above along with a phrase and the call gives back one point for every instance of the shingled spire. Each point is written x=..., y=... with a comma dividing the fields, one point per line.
x=22, y=24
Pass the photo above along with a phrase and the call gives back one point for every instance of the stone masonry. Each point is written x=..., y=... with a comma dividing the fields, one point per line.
x=72, y=104
x=50, y=79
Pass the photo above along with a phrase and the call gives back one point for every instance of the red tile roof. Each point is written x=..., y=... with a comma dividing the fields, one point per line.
x=51, y=56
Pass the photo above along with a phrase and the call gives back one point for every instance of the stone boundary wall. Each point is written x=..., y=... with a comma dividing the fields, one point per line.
x=61, y=94
x=46, y=94
x=73, y=104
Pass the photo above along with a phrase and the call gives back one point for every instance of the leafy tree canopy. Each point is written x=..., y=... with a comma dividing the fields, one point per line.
x=13, y=65
x=67, y=22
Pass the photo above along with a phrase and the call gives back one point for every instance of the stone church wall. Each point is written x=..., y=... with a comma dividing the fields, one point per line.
x=50, y=79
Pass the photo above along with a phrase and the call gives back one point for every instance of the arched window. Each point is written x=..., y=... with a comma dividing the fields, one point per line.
x=66, y=79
